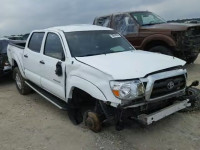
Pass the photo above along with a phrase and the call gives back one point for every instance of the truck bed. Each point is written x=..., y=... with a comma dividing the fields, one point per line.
x=15, y=52
x=19, y=44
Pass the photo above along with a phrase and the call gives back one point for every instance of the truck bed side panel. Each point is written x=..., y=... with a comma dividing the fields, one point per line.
x=15, y=57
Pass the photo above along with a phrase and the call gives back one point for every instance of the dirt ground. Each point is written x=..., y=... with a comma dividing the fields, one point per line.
x=31, y=123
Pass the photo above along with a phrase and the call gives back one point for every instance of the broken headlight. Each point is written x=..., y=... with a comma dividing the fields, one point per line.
x=127, y=90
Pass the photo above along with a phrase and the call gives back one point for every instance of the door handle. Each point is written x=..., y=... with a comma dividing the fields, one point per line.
x=26, y=56
x=42, y=62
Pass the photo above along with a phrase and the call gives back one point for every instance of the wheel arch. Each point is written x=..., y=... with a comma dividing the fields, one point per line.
x=86, y=86
x=158, y=40
x=15, y=64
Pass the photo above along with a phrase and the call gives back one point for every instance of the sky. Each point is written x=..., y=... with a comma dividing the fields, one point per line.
x=23, y=16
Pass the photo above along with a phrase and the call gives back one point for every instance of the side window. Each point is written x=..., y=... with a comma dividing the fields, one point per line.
x=148, y=19
x=124, y=24
x=103, y=21
x=53, y=47
x=36, y=41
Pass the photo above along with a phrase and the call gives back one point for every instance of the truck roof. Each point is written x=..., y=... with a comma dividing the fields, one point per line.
x=78, y=27
x=116, y=13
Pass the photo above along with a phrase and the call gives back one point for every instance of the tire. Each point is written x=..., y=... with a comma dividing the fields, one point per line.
x=191, y=59
x=74, y=110
x=20, y=82
x=193, y=95
x=161, y=49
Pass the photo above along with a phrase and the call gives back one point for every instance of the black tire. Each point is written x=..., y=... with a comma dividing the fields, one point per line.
x=193, y=95
x=74, y=110
x=191, y=59
x=20, y=82
x=161, y=49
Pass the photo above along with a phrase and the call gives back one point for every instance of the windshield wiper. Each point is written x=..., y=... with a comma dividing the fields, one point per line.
x=92, y=54
x=86, y=55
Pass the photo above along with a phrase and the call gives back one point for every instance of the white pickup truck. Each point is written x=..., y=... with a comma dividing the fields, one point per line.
x=96, y=75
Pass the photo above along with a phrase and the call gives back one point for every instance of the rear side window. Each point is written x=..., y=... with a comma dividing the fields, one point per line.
x=103, y=21
x=36, y=41
x=53, y=47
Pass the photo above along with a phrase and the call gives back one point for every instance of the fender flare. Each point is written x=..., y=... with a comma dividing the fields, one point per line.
x=158, y=37
x=19, y=65
x=86, y=86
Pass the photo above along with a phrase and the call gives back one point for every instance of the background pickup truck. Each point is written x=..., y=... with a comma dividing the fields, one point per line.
x=98, y=76
x=5, y=68
x=147, y=31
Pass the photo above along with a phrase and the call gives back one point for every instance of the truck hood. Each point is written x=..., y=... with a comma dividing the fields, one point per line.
x=131, y=64
x=169, y=26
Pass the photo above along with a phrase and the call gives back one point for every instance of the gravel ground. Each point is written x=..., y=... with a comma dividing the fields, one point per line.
x=31, y=123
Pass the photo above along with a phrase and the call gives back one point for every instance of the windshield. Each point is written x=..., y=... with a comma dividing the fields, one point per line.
x=147, y=18
x=89, y=43
x=3, y=46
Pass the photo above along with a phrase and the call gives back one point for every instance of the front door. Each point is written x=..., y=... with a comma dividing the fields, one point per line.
x=32, y=57
x=53, y=66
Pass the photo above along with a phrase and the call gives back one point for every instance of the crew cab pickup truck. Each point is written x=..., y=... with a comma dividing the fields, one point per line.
x=96, y=75
x=147, y=31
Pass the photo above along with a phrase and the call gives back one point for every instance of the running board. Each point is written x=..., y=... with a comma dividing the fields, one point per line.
x=49, y=97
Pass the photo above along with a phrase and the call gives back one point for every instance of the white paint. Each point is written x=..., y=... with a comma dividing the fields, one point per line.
x=91, y=74
x=131, y=64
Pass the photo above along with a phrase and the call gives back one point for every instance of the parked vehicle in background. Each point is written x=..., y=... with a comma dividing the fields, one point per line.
x=25, y=36
x=98, y=76
x=147, y=31
x=193, y=22
x=15, y=37
x=5, y=67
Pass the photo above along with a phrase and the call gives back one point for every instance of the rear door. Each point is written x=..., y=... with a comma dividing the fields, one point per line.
x=53, y=65
x=32, y=57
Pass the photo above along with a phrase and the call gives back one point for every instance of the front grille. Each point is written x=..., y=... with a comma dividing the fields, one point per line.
x=165, y=86
x=193, y=39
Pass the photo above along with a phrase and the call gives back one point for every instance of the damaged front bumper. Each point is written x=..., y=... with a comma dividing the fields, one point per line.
x=158, y=101
x=150, y=113
x=148, y=119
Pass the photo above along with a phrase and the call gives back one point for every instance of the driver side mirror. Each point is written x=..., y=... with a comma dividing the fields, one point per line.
x=58, y=70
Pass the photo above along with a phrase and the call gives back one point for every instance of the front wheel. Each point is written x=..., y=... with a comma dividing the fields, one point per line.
x=20, y=82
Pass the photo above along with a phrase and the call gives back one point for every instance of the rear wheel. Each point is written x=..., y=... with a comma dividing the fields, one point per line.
x=162, y=50
x=20, y=82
